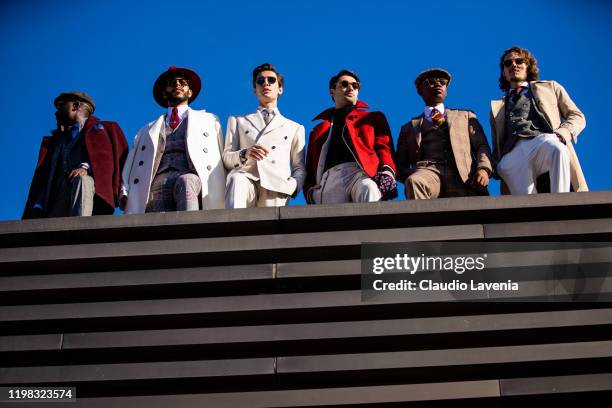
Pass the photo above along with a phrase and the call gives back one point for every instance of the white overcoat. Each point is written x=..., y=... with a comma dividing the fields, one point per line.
x=204, y=143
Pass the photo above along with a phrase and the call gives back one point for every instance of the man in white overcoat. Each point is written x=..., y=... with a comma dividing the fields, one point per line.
x=175, y=163
x=264, y=151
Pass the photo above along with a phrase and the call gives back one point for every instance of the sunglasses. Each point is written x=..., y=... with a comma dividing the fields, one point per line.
x=354, y=85
x=261, y=80
x=434, y=81
x=517, y=61
x=181, y=81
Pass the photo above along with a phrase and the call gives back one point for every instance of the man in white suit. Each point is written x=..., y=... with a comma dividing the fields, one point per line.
x=264, y=151
x=175, y=163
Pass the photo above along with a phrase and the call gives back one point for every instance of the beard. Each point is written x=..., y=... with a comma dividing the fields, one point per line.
x=176, y=100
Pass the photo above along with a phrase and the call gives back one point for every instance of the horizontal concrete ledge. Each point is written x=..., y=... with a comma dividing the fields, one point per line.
x=445, y=205
x=444, y=358
x=305, y=397
x=335, y=330
x=271, y=220
x=342, y=363
x=276, y=304
x=297, y=241
x=138, y=371
x=556, y=385
x=275, y=242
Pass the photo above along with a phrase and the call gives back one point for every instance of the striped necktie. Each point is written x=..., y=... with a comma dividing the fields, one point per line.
x=437, y=118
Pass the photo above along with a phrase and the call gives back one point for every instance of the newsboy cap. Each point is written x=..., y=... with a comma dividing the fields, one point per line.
x=431, y=72
x=75, y=96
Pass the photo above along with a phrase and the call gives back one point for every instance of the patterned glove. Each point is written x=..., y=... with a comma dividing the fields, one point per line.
x=386, y=184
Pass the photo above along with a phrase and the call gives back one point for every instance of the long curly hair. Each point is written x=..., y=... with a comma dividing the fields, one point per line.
x=533, y=73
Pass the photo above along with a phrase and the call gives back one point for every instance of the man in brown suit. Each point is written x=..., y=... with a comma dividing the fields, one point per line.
x=442, y=152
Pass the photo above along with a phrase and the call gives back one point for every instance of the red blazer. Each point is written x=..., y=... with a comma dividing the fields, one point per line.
x=106, y=148
x=370, y=138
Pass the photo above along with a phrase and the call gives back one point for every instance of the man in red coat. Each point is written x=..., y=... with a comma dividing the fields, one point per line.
x=350, y=153
x=79, y=165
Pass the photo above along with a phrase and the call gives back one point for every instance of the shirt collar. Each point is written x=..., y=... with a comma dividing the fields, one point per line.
x=428, y=109
x=182, y=112
x=274, y=109
x=77, y=126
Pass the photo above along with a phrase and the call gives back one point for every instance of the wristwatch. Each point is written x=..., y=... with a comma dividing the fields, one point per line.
x=242, y=155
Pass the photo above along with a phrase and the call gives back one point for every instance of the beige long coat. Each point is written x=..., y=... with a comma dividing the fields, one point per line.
x=562, y=115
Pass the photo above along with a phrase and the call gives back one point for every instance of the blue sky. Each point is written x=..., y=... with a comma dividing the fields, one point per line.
x=115, y=50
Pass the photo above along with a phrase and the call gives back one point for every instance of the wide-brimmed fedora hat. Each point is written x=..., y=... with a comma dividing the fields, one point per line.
x=195, y=84
x=432, y=72
x=75, y=96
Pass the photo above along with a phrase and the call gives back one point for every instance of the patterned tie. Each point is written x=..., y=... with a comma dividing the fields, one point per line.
x=174, y=118
x=266, y=115
x=437, y=118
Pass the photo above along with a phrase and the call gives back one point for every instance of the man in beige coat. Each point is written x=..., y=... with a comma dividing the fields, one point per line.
x=533, y=128
x=264, y=151
x=442, y=152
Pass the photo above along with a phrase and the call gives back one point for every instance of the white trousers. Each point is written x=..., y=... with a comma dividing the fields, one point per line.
x=243, y=192
x=345, y=183
x=531, y=158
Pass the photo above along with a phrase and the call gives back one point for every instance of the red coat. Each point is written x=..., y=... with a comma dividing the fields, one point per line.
x=370, y=139
x=106, y=148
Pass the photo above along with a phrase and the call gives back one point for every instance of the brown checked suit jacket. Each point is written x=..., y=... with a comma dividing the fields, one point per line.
x=468, y=141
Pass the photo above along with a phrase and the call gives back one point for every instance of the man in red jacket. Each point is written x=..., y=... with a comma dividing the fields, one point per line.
x=79, y=165
x=350, y=153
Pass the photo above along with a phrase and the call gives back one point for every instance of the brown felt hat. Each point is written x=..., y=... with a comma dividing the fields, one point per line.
x=195, y=84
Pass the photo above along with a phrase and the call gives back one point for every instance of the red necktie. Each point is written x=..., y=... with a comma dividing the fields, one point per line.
x=174, y=118
x=516, y=94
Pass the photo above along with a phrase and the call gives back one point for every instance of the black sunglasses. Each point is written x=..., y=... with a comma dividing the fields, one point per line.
x=261, y=80
x=181, y=81
x=354, y=85
x=433, y=81
x=517, y=61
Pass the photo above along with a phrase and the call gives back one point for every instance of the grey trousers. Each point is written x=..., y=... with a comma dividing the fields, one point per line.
x=173, y=191
x=73, y=198
x=345, y=183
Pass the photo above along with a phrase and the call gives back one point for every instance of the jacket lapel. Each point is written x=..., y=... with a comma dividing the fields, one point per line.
x=451, y=120
x=277, y=121
x=257, y=121
x=155, y=129
x=537, y=99
x=417, y=125
x=498, y=110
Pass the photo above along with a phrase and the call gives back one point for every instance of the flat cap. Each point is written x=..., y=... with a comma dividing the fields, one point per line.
x=432, y=72
x=72, y=96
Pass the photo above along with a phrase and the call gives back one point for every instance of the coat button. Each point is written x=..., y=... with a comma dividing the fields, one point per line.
x=285, y=137
x=136, y=181
x=205, y=134
x=143, y=147
x=246, y=131
x=209, y=167
x=274, y=147
x=288, y=178
x=235, y=165
x=205, y=150
x=140, y=163
x=272, y=161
